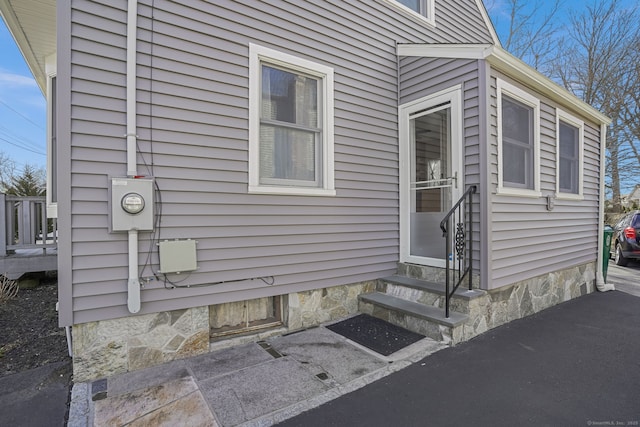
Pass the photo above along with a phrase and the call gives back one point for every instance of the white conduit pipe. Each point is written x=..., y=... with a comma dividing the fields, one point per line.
x=600, y=284
x=133, y=285
x=132, y=27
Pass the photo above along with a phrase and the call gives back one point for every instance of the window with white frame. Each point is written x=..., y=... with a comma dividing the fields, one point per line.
x=291, y=124
x=569, y=157
x=422, y=8
x=518, y=141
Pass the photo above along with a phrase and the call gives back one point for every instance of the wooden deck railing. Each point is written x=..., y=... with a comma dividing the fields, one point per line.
x=24, y=224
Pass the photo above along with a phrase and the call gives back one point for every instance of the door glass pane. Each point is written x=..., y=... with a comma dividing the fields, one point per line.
x=431, y=182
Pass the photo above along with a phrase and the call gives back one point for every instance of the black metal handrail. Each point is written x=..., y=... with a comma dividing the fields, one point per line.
x=463, y=255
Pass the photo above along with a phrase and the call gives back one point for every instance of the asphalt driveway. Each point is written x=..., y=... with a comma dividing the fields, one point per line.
x=625, y=279
x=575, y=364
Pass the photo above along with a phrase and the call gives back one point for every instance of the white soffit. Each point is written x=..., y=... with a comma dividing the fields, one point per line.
x=32, y=24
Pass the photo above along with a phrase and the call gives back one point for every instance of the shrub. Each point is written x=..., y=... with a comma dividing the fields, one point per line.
x=8, y=289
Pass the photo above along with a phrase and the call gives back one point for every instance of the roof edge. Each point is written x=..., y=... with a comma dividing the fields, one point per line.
x=488, y=22
x=502, y=60
x=11, y=20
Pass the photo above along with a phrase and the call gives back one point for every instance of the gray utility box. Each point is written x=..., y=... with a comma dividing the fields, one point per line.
x=132, y=204
x=178, y=256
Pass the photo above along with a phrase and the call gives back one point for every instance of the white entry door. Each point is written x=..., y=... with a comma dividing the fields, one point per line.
x=431, y=174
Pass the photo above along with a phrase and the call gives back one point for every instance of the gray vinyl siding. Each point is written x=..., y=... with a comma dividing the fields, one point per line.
x=192, y=102
x=527, y=239
x=420, y=77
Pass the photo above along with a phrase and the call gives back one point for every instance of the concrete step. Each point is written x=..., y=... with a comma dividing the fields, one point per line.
x=434, y=287
x=423, y=319
x=428, y=293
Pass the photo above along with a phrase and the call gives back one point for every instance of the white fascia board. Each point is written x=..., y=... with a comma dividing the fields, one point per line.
x=513, y=67
x=456, y=51
x=16, y=30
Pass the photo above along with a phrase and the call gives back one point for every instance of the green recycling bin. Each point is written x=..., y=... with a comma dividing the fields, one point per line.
x=606, y=249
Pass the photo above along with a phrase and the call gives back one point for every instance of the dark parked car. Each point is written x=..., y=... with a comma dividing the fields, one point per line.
x=625, y=243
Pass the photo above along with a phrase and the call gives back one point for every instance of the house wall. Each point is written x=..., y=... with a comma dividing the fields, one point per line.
x=528, y=240
x=192, y=102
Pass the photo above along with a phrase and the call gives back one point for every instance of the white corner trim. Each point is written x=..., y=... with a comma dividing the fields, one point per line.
x=51, y=70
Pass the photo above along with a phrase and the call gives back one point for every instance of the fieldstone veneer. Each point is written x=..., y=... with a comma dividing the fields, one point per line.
x=522, y=299
x=312, y=308
x=110, y=347
x=491, y=309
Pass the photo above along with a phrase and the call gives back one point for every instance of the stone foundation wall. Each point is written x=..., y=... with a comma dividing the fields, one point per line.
x=318, y=306
x=109, y=347
x=500, y=306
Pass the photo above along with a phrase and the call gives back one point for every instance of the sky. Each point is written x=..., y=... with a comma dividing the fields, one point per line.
x=23, y=107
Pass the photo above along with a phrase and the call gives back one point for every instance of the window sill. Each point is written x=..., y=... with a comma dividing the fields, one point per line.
x=569, y=196
x=518, y=192
x=291, y=191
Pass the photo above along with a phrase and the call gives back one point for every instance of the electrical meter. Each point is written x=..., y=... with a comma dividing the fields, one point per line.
x=131, y=204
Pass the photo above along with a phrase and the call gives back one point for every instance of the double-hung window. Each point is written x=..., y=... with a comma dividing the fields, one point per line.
x=518, y=141
x=291, y=124
x=569, y=157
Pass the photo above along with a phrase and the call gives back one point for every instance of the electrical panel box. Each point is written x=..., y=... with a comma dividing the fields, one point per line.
x=132, y=204
x=177, y=256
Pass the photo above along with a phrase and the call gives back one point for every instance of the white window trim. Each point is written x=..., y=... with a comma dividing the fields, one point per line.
x=576, y=122
x=256, y=55
x=430, y=17
x=526, y=98
x=51, y=72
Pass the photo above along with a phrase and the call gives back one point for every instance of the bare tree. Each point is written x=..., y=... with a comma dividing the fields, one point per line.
x=597, y=58
x=599, y=64
x=7, y=170
x=532, y=30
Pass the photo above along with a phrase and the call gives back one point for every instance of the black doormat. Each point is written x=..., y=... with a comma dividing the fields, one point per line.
x=375, y=334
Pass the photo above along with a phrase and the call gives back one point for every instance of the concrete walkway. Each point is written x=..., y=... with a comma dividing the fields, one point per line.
x=256, y=384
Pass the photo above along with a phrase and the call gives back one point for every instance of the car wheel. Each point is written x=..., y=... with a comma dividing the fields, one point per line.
x=620, y=259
